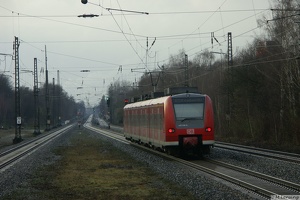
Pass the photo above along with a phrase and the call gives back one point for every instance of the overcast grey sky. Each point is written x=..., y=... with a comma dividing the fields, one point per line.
x=102, y=44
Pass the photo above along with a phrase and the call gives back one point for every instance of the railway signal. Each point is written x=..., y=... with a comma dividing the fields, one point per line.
x=108, y=102
x=126, y=101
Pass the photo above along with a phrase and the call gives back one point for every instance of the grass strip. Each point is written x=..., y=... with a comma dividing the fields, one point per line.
x=91, y=168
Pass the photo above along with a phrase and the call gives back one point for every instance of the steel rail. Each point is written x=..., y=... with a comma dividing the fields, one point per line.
x=285, y=156
x=24, y=143
x=256, y=189
x=278, y=181
x=107, y=133
x=251, y=187
x=19, y=152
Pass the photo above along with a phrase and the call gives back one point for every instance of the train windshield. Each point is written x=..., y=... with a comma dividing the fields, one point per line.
x=189, y=112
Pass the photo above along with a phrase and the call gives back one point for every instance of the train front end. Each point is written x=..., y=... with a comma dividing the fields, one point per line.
x=189, y=123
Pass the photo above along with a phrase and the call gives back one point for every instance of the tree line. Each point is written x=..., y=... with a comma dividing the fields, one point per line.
x=62, y=107
x=257, y=99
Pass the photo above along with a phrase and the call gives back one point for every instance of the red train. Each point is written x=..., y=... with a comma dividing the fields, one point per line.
x=175, y=124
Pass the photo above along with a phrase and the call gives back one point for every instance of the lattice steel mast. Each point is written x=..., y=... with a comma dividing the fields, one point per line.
x=36, y=100
x=47, y=96
x=18, y=137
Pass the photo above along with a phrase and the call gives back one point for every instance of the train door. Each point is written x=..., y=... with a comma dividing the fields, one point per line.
x=147, y=124
x=136, y=124
x=160, y=127
x=151, y=121
x=140, y=125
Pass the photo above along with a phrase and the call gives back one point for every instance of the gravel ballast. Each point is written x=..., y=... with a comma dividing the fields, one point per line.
x=201, y=185
x=280, y=169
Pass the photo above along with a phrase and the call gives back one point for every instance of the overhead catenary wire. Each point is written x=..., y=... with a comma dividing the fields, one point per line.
x=215, y=31
x=109, y=10
x=143, y=36
x=165, y=37
x=201, y=24
x=66, y=55
x=136, y=35
x=235, y=36
x=135, y=64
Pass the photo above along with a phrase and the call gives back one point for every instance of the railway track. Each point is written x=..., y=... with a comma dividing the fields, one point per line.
x=260, y=184
x=291, y=157
x=285, y=156
x=106, y=132
x=13, y=155
x=272, y=185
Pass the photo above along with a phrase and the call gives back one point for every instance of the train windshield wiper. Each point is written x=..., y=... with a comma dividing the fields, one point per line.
x=191, y=118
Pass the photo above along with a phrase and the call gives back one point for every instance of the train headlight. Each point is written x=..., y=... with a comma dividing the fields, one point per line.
x=171, y=130
x=208, y=129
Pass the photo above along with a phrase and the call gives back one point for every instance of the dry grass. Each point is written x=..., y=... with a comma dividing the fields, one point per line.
x=93, y=169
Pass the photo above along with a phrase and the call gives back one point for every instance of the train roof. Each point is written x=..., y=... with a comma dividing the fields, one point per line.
x=158, y=100
x=147, y=102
